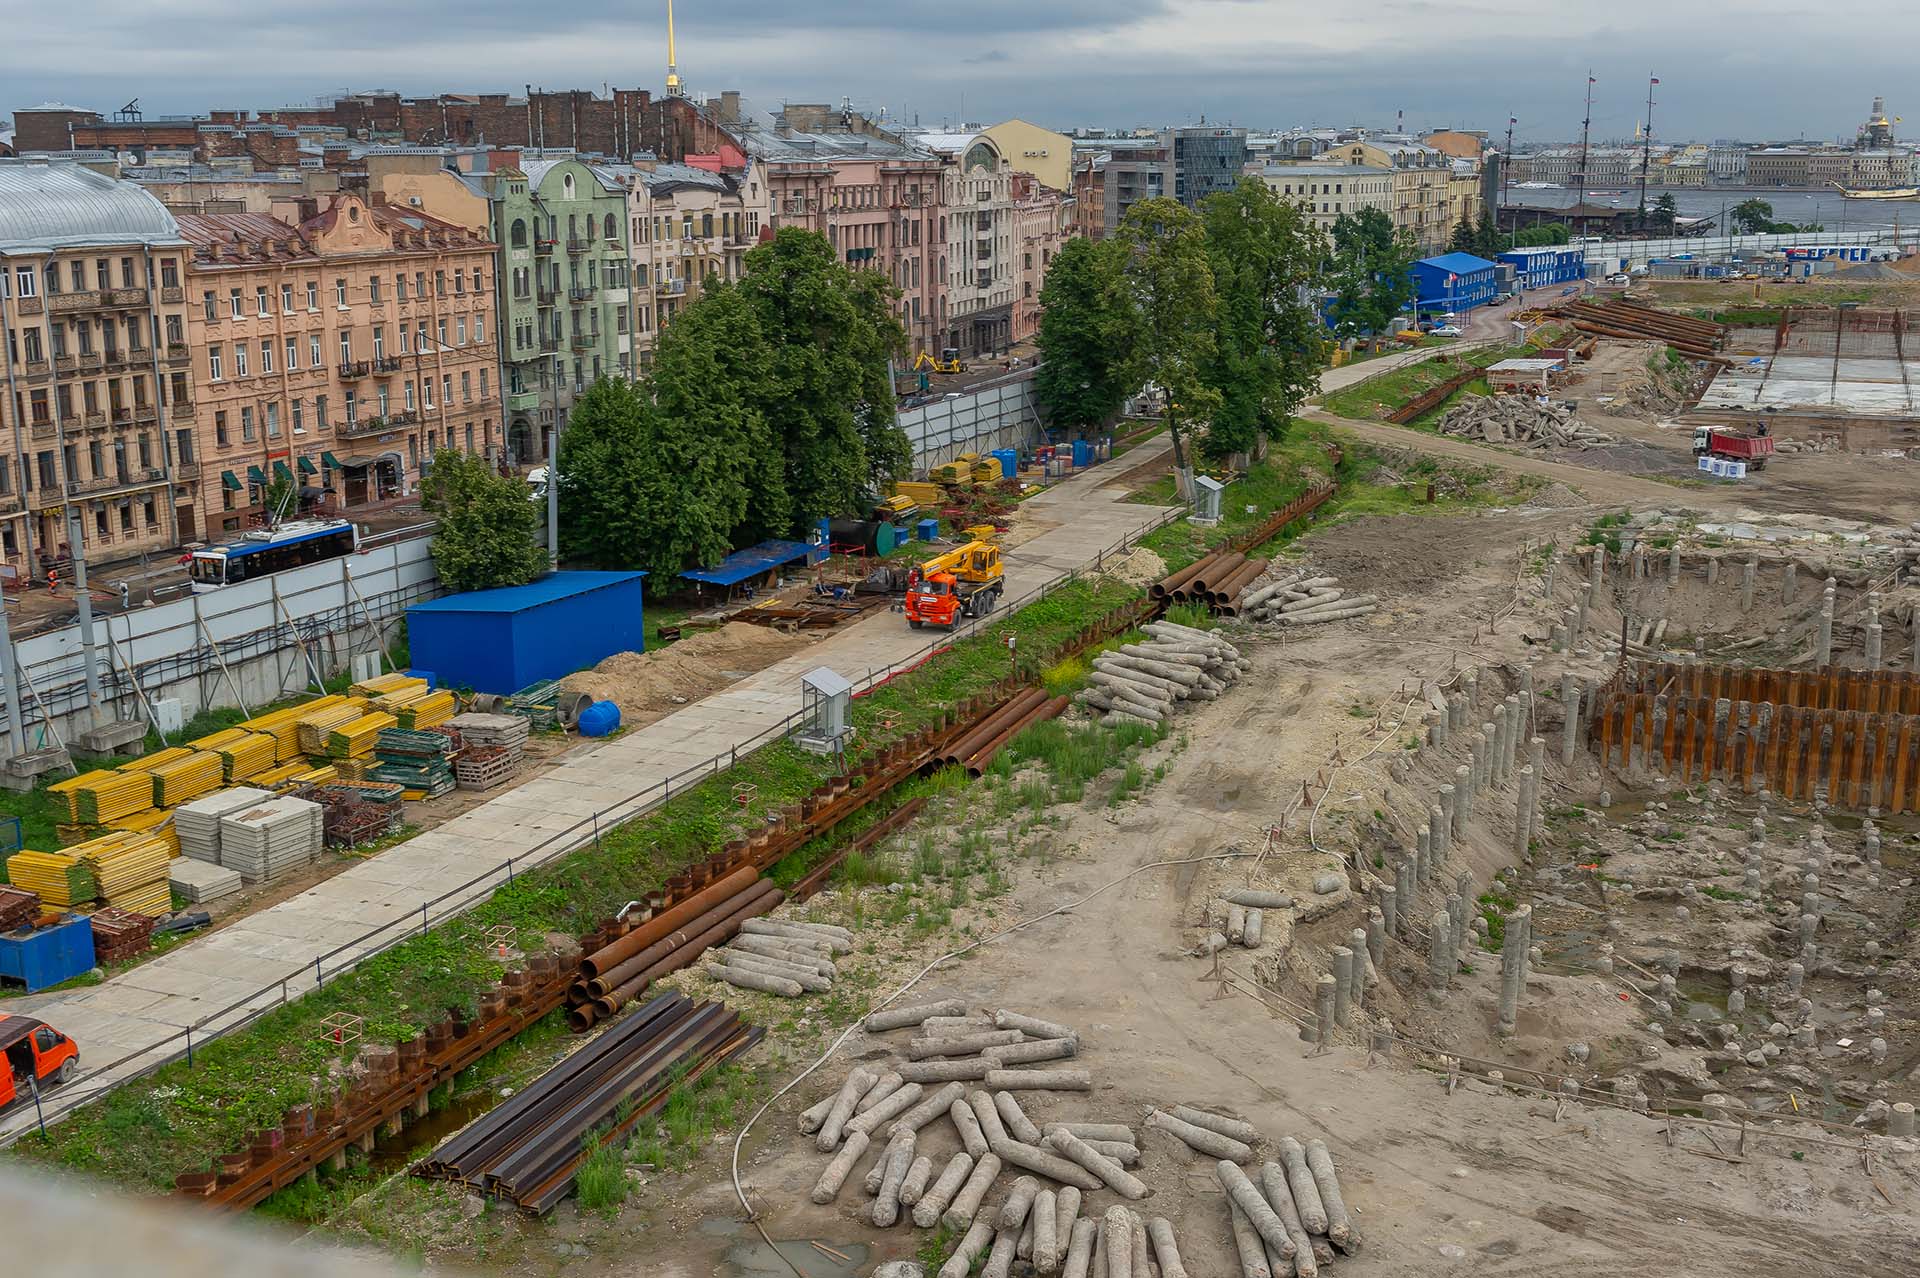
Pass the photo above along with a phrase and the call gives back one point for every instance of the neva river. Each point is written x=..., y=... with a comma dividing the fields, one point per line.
x=1799, y=207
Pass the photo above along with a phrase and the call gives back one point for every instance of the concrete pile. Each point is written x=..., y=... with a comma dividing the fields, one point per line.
x=780, y=956
x=1519, y=419
x=1287, y=1218
x=1302, y=599
x=1142, y=682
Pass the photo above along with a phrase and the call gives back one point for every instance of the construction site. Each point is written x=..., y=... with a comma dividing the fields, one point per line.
x=1481, y=840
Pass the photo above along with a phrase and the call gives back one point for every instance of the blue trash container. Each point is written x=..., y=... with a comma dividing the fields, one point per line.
x=1082, y=453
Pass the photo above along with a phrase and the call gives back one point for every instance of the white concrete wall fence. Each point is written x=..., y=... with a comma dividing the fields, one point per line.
x=1604, y=257
x=1002, y=413
x=242, y=645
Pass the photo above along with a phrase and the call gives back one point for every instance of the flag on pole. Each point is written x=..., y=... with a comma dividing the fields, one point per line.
x=1656, y=79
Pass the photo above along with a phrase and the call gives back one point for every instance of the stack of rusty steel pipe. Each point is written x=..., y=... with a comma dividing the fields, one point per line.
x=527, y=1150
x=657, y=937
x=974, y=748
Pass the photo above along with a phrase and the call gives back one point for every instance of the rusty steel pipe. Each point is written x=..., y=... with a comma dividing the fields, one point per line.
x=627, y=968
x=1166, y=586
x=1219, y=570
x=991, y=727
x=1229, y=590
x=617, y=952
x=978, y=762
x=686, y=946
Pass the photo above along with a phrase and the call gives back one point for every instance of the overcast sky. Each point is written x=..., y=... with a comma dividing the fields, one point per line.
x=1770, y=73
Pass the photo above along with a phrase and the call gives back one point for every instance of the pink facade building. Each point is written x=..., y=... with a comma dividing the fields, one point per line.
x=1043, y=221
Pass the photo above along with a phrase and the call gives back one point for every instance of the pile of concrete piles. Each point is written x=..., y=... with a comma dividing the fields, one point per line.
x=1070, y=1179
x=1520, y=419
x=1142, y=682
x=779, y=956
x=1300, y=598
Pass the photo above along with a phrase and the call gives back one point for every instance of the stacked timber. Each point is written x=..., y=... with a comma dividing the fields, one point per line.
x=779, y=956
x=1141, y=683
x=18, y=907
x=1696, y=339
x=119, y=934
x=661, y=936
x=1302, y=599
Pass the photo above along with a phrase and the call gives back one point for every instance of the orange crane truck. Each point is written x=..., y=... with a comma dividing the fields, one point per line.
x=967, y=581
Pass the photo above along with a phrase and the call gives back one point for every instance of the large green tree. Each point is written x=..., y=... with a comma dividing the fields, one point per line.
x=1169, y=280
x=487, y=528
x=1371, y=274
x=612, y=494
x=1086, y=335
x=1266, y=256
x=1488, y=241
x=826, y=393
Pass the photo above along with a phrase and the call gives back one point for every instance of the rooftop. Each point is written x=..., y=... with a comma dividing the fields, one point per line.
x=47, y=205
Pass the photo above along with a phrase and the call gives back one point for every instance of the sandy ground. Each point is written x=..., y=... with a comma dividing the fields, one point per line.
x=1479, y=1179
x=649, y=685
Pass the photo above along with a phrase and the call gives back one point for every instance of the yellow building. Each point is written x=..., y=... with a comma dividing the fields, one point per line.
x=1028, y=148
x=1430, y=195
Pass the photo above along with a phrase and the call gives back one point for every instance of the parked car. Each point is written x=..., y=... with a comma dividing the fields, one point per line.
x=1621, y=278
x=1444, y=330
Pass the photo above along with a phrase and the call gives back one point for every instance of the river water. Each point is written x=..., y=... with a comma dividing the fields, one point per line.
x=1827, y=208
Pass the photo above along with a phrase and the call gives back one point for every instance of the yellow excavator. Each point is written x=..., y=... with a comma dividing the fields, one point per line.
x=967, y=581
x=949, y=362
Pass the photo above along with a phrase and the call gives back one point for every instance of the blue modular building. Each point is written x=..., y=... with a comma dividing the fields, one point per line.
x=1545, y=266
x=503, y=640
x=1454, y=282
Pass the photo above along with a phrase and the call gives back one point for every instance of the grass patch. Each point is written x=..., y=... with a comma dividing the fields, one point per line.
x=601, y=1181
x=1292, y=465
x=1377, y=397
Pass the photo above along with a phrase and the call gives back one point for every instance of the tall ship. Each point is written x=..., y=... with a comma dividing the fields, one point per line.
x=1877, y=192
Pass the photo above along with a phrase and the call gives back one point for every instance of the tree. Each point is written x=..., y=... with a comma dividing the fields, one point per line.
x=1266, y=256
x=1085, y=337
x=1463, y=240
x=1372, y=273
x=1170, y=281
x=1753, y=217
x=1543, y=234
x=1487, y=238
x=487, y=527
x=826, y=394
x=1665, y=211
x=611, y=492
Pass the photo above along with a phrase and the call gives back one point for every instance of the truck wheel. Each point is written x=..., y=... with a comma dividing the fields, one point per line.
x=65, y=1071
x=986, y=603
x=915, y=624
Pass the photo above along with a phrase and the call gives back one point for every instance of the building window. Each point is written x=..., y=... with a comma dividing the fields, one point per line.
x=320, y=411
x=459, y=284
x=517, y=235
x=466, y=388
x=446, y=389
x=440, y=283
x=479, y=328
x=286, y=299
x=273, y=420
x=313, y=295
x=340, y=294
x=246, y=423
x=266, y=357
x=213, y=363
x=240, y=359
x=346, y=346
x=400, y=287
x=373, y=289
x=220, y=428
x=260, y=299
x=299, y=416
x=233, y=303
x=477, y=288
x=379, y=342
x=314, y=358
x=293, y=354
x=483, y=383
x=460, y=330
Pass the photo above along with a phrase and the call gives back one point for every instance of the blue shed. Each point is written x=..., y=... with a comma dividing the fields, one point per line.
x=1453, y=282
x=1547, y=265
x=49, y=955
x=502, y=640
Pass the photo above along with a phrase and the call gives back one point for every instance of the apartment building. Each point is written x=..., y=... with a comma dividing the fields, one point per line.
x=1043, y=221
x=874, y=195
x=96, y=420
x=978, y=261
x=687, y=226
x=1431, y=190
x=339, y=354
x=1327, y=191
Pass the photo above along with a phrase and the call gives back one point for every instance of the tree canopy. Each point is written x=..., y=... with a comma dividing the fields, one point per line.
x=1085, y=337
x=487, y=527
x=1371, y=273
x=1265, y=254
x=1169, y=279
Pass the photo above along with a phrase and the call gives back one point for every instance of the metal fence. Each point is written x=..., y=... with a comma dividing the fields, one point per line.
x=458, y=900
x=1002, y=413
x=1605, y=257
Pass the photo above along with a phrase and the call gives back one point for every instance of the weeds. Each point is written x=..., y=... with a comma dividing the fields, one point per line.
x=601, y=1182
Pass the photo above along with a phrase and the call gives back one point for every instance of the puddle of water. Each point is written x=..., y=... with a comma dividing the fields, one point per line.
x=397, y=1153
x=750, y=1257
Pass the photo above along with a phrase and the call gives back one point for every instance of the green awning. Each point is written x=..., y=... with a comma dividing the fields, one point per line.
x=257, y=476
x=232, y=481
x=331, y=462
x=307, y=467
x=283, y=470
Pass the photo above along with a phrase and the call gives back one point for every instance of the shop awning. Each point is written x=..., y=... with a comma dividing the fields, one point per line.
x=330, y=461
x=231, y=480
x=355, y=463
x=257, y=476
x=307, y=467
x=283, y=470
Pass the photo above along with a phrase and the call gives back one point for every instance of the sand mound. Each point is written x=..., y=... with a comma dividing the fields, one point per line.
x=1139, y=567
x=649, y=684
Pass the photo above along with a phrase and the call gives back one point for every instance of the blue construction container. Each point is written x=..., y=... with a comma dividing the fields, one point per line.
x=1009, y=460
x=1454, y=282
x=1546, y=265
x=503, y=640
x=928, y=529
x=48, y=956
x=1082, y=454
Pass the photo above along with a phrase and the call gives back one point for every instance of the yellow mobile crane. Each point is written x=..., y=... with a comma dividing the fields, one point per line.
x=965, y=582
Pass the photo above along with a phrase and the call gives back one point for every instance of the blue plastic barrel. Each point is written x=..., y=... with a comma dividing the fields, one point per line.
x=598, y=719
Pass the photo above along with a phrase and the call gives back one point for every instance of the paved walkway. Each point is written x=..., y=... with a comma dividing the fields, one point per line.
x=135, y=1021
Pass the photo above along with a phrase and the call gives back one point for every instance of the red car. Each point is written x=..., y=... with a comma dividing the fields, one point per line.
x=33, y=1050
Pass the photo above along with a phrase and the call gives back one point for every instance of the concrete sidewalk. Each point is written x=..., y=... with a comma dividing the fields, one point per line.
x=140, y=1015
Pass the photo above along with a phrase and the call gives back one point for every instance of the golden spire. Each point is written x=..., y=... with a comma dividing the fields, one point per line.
x=673, y=72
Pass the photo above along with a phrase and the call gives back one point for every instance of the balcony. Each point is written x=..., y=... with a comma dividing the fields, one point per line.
x=577, y=245
x=544, y=247
x=549, y=345
x=580, y=293
x=108, y=483
x=126, y=297
x=354, y=370
x=523, y=401
x=65, y=363
x=95, y=420
x=674, y=287
x=146, y=413
x=37, y=369
x=43, y=428
x=29, y=306
x=122, y=416
x=741, y=241
x=10, y=504
x=174, y=294
x=186, y=472
x=177, y=352
x=388, y=364
x=360, y=427
x=546, y=296
x=89, y=361
x=584, y=341
x=114, y=361
x=59, y=303
x=183, y=409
